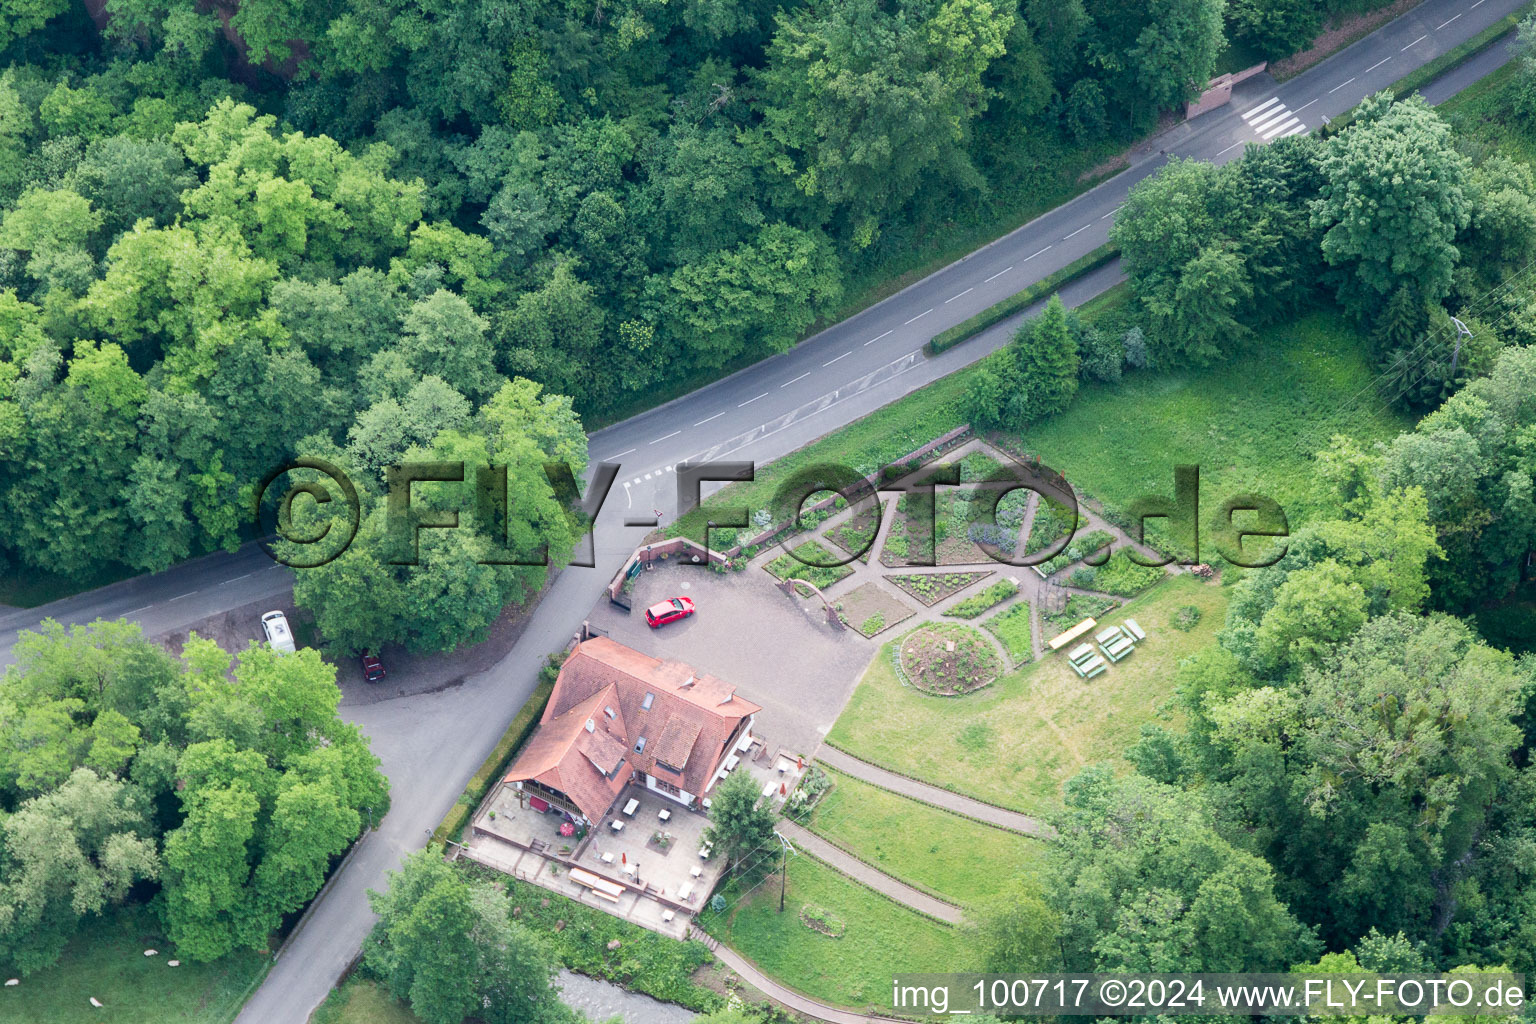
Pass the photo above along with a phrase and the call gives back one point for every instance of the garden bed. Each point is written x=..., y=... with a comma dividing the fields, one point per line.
x=947, y=660
x=869, y=609
x=1079, y=607
x=857, y=532
x=1119, y=576
x=1012, y=629
x=931, y=588
x=984, y=600
x=794, y=567
x=819, y=919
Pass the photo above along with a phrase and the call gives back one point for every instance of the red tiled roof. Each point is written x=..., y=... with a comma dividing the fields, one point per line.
x=690, y=718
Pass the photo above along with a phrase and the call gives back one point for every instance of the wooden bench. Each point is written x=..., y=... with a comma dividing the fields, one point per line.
x=1057, y=643
x=1105, y=636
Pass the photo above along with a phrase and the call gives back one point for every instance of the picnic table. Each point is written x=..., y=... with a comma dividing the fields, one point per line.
x=695, y=871
x=1057, y=643
x=1090, y=668
x=629, y=808
x=1117, y=649
x=1135, y=629
x=1106, y=635
x=1080, y=652
x=616, y=825
x=685, y=892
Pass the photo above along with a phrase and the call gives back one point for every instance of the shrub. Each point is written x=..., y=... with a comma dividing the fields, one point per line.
x=1124, y=577
x=1185, y=617
x=874, y=624
x=1103, y=356
x=1134, y=345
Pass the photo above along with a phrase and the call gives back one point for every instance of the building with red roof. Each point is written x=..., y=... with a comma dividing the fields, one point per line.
x=617, y=716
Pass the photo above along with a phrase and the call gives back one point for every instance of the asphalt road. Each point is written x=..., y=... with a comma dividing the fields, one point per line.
x=431, y=744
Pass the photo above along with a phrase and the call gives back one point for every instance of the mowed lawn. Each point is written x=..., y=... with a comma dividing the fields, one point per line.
x=949, y=856
x=1251, y=425
x=1016, y=742
x=882, y=938
x=361, y=1000
x=106, y=960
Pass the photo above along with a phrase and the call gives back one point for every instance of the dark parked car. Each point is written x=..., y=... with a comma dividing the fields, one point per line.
x=373, y=668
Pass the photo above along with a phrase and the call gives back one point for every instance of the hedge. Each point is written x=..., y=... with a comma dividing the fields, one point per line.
x=495, y=764
x=997, y=313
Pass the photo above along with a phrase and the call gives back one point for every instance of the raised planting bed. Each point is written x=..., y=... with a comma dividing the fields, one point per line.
x=1011, y=627
x=984, y=600
x=1119, y=576
x=818, y=919
x=870, y=609
x=1079, y=607
x=947, y=660
x=794, y=567
x=1082, y=546
x=857, y=532
x=931, y=588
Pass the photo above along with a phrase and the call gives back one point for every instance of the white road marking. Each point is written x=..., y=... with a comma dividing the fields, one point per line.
x=1079, y=231
x=637, y=480
x=648, y=476
x=1340, y=86
x=871, y=341
x=137, y=610
x=1249, y=114
x=919, y=316
x=237, y=579
x=1298, y=130
x=952, y=298
x=1282, y=126
x=661, y=439
x=845, y=355
x=787, y=383
x=1419, y=40
x=1116, y=210
x=669, y=469
x=1378, y=64
x=1270, y=121
x=1478, y=4
x=751, y=400
x=1034, y=254
x=187, y=594
x=704, y=421
x=1447, y=21
x=1305, y=105
x=610, y=458
x=1234, y=145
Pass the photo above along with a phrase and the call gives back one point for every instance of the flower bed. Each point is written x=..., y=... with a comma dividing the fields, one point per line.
x=794, y=567
x=1079, y=607
x=819, y=920
x=931, y=588
x=1011, y=627
x=947, y=660
x=870, y=609
x=977, y=603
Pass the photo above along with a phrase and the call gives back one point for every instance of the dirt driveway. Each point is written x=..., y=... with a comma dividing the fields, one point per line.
x=779, y=651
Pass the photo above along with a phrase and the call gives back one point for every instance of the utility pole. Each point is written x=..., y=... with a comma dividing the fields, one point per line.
x=1461, y=332
x=786, y=849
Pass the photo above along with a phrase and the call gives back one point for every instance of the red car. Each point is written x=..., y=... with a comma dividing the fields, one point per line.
x=668, y=611
x=373, y=668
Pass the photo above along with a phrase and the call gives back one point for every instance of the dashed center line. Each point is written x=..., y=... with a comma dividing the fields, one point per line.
x=787, y=383
x=1340, y=86
x=919, y=316
x=237, y=579
x=627, y=451
x=1234, y=145
x=1447, y=21
x=1378, y=64
x=1419, y=40
x=1034, y=254
x=871, y=341
x=1478, y=4
x=834, y=359
x=714, y=417
x=952, y=298
x=997, y=275
x=1116, y=210
x=187, y=594
x=751, y=400
x=1077, y=232
x=661, y=439
x=1305, y=105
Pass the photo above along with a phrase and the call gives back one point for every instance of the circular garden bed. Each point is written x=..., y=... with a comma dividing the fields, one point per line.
x=948, y=660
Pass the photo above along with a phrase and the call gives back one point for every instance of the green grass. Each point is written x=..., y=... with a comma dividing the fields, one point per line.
x=794, y=566
x=1041, y=723
x=1011, y=627
x=106, y=960
x=977, y=603
x=1119, y=576
x=1488, y=113
x=1251, y=425
x=362, y=1000
x=883, y=938
x=951, y=857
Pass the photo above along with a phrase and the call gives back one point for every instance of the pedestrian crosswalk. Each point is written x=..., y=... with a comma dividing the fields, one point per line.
x=1273, y=120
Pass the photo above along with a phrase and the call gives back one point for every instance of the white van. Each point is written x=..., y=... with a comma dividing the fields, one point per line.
x=275, y=625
